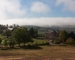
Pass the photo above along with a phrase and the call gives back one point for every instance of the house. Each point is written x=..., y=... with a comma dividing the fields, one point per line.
x=51, y=34
x=10, y=29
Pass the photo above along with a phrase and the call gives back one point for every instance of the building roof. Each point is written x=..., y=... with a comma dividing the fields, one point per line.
x=10, y=28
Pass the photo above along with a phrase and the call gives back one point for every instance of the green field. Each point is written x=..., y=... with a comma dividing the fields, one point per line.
x=42, y=53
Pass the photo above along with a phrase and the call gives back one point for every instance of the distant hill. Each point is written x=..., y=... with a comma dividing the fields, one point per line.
x=43, y=29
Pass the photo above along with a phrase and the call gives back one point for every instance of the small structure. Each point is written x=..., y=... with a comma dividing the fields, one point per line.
x=51, y=34
x=11, y=29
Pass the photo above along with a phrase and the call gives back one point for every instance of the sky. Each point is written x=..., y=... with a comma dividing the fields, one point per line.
x=37, y=12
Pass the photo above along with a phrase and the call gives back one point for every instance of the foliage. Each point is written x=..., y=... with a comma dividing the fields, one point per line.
x=57, y=41
x=4, y=42
x=71, y=35
x=2, y=27
x=6, y=33
x=70, y=41
x=33, y=33
x=21, y=35
x=63, y=35
x=0, y=40
x=11, y=42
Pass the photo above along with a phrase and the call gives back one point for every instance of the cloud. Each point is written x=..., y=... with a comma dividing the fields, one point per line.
x=68, y=5
x=40, y=7
x=11, y=8
x=41, y=21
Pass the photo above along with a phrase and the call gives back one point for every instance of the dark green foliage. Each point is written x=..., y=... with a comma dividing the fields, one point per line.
x=11, y=42
x=21, y=35
x=33, y=33
x=70, y=41
x=71, y=35
x=11, y=26
x=63, y=35
x=0, y=40
x=5, y=42
x=2, y=27
x=7, y=33
x=57, y=41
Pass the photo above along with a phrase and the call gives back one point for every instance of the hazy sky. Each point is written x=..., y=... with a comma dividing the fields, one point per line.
x=37, y=12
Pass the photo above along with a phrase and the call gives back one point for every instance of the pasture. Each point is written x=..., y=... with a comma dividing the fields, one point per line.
x=42, y=53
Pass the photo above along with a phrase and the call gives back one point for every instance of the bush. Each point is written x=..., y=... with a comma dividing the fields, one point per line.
x=57, y=41
x=11, y=42
x=0, y=40
x=70, y=41
x=4, y=43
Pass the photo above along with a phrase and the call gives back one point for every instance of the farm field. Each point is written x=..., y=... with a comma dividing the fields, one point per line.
x=42, y=53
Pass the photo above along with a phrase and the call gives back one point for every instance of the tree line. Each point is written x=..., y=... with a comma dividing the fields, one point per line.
x=19, y=35
x=65, y=38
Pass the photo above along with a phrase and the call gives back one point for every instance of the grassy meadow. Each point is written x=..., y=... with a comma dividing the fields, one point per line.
x=42, y=53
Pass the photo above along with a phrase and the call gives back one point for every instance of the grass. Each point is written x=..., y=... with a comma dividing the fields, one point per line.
x=39, y=42
x=46, y=53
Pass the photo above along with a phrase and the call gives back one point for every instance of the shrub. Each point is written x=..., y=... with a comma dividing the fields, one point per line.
x=0, y=40
x=57, y=41
x=5, y=42
x=70, y=41
x=11, y=42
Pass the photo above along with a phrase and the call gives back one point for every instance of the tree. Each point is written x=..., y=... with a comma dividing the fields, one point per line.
x=10, y=26
x=11, y=42
x=2, y=27
x=21, y=35
x=63, y=36
x=70, y=41
x=33, y=33
x=5, y=42
x=71, y=35
x=7, y=33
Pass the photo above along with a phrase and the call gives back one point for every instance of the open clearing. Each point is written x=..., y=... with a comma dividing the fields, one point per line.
x=42, y=53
